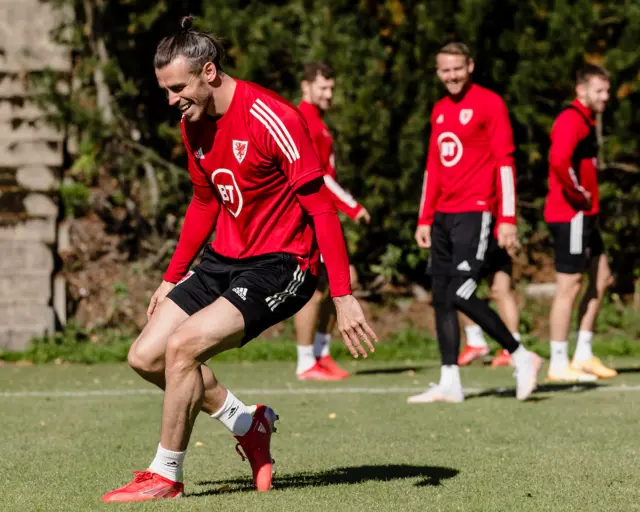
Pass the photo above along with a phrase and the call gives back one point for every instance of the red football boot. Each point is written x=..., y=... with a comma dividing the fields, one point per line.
x=332, y=367
x=503, y=358
x=146, y=486
x=256, y=445
x=317, y=372
x=471, y=354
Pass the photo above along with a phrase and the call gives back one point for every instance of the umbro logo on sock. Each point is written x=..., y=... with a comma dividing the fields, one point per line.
x=232, y=411
x=464, y=266
x=241, y=292
x=172, y=463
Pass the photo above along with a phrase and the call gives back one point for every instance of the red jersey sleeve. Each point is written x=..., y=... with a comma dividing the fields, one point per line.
x=199, y=220
x=341, y=198
x=565, y=136
x=430, y=184
x=501, y=136
x=289, y=143
x=316, y=201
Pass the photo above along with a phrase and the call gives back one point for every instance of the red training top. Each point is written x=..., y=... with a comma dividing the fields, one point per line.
x=470, y=166
x=573, y=165
x=323, y=144
x=256, y=181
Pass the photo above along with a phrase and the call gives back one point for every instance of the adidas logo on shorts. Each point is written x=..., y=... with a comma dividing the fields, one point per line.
x=464, y=266
x=241, y=292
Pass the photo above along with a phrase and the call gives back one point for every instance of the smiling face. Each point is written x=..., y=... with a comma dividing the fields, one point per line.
x=319, y=92
x=454, y=71
x=594, y=93
x=190, y=92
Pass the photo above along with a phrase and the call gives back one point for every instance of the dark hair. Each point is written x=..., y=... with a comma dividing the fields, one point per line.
x=197, y=47
x=590, y=70
x=455, y=48
x=313, y=69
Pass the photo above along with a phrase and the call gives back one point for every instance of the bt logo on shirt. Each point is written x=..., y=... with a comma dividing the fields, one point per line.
x=450, y=149
x=225, y=183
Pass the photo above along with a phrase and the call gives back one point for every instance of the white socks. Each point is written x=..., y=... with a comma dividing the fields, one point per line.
x=168, y=464
x=475, y=336
x=321, y=344
x=306, y=359
x=583, y=348
x=559, y=356
x=234, y=415
x=450, y=377
x=520, y=356
x=516, y=336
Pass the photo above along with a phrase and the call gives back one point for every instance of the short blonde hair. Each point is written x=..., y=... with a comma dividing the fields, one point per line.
x=455, y=49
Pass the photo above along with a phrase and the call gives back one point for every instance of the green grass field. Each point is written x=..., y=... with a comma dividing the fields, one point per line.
x=354, y=445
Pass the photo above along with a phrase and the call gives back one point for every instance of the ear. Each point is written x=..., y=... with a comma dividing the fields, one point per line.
x=210, y=72
x=581, y=90
x=470, y=65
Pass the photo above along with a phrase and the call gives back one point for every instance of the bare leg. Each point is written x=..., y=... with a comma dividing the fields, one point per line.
x=568, y=287
x=147, y=353
x=505, y=298
x=600, y=279
x=193, y=343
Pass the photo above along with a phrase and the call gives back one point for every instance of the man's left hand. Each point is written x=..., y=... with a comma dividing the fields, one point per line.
x=508, y=238
x=353, y=326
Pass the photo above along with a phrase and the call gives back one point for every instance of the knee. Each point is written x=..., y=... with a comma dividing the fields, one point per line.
x=568, y=287
x=180, y=355
x=144, y=360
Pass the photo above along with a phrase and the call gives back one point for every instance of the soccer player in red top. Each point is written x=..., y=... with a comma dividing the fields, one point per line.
x=469, y=167
x=571, y=211
x=258, y=183
x=314, y=356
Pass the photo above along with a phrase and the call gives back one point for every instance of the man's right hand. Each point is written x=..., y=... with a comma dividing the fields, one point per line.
x=159, y=296
x=423, y=236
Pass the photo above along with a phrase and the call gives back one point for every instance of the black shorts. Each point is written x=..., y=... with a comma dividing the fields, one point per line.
x=576, y=243
x=462, y=244
x=323, y=279
x=266, y=289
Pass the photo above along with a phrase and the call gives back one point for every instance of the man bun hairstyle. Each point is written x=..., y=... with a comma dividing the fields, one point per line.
x=197, y=47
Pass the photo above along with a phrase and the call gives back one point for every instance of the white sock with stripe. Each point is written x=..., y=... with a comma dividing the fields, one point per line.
x=475, y=336
x=583, y=348
x=234, y=415
x=168, y=464
x=306, y=358
x=559, y=356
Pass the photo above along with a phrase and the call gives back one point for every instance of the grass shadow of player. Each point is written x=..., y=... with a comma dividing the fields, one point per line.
x=542, y=388
x=391, y=371
x=635, y=369
x=429, y=476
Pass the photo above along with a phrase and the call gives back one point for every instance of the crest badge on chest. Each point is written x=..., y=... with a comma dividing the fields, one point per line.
x=240, y=149
x=465, y=115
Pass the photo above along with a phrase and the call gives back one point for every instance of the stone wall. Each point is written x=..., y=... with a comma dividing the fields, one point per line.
x=30, y=163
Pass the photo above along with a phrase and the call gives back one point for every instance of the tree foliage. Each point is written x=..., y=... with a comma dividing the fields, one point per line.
x=383, y=53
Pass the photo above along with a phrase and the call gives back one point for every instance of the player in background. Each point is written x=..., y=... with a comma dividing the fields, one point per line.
x=469, y=166
x=258, y=182
x=314, y=322
x=571, y=212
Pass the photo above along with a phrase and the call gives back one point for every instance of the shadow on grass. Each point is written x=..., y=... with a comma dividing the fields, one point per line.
x=430, y=476
x=391, y=371
x=542, y=388
x=628, y=370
